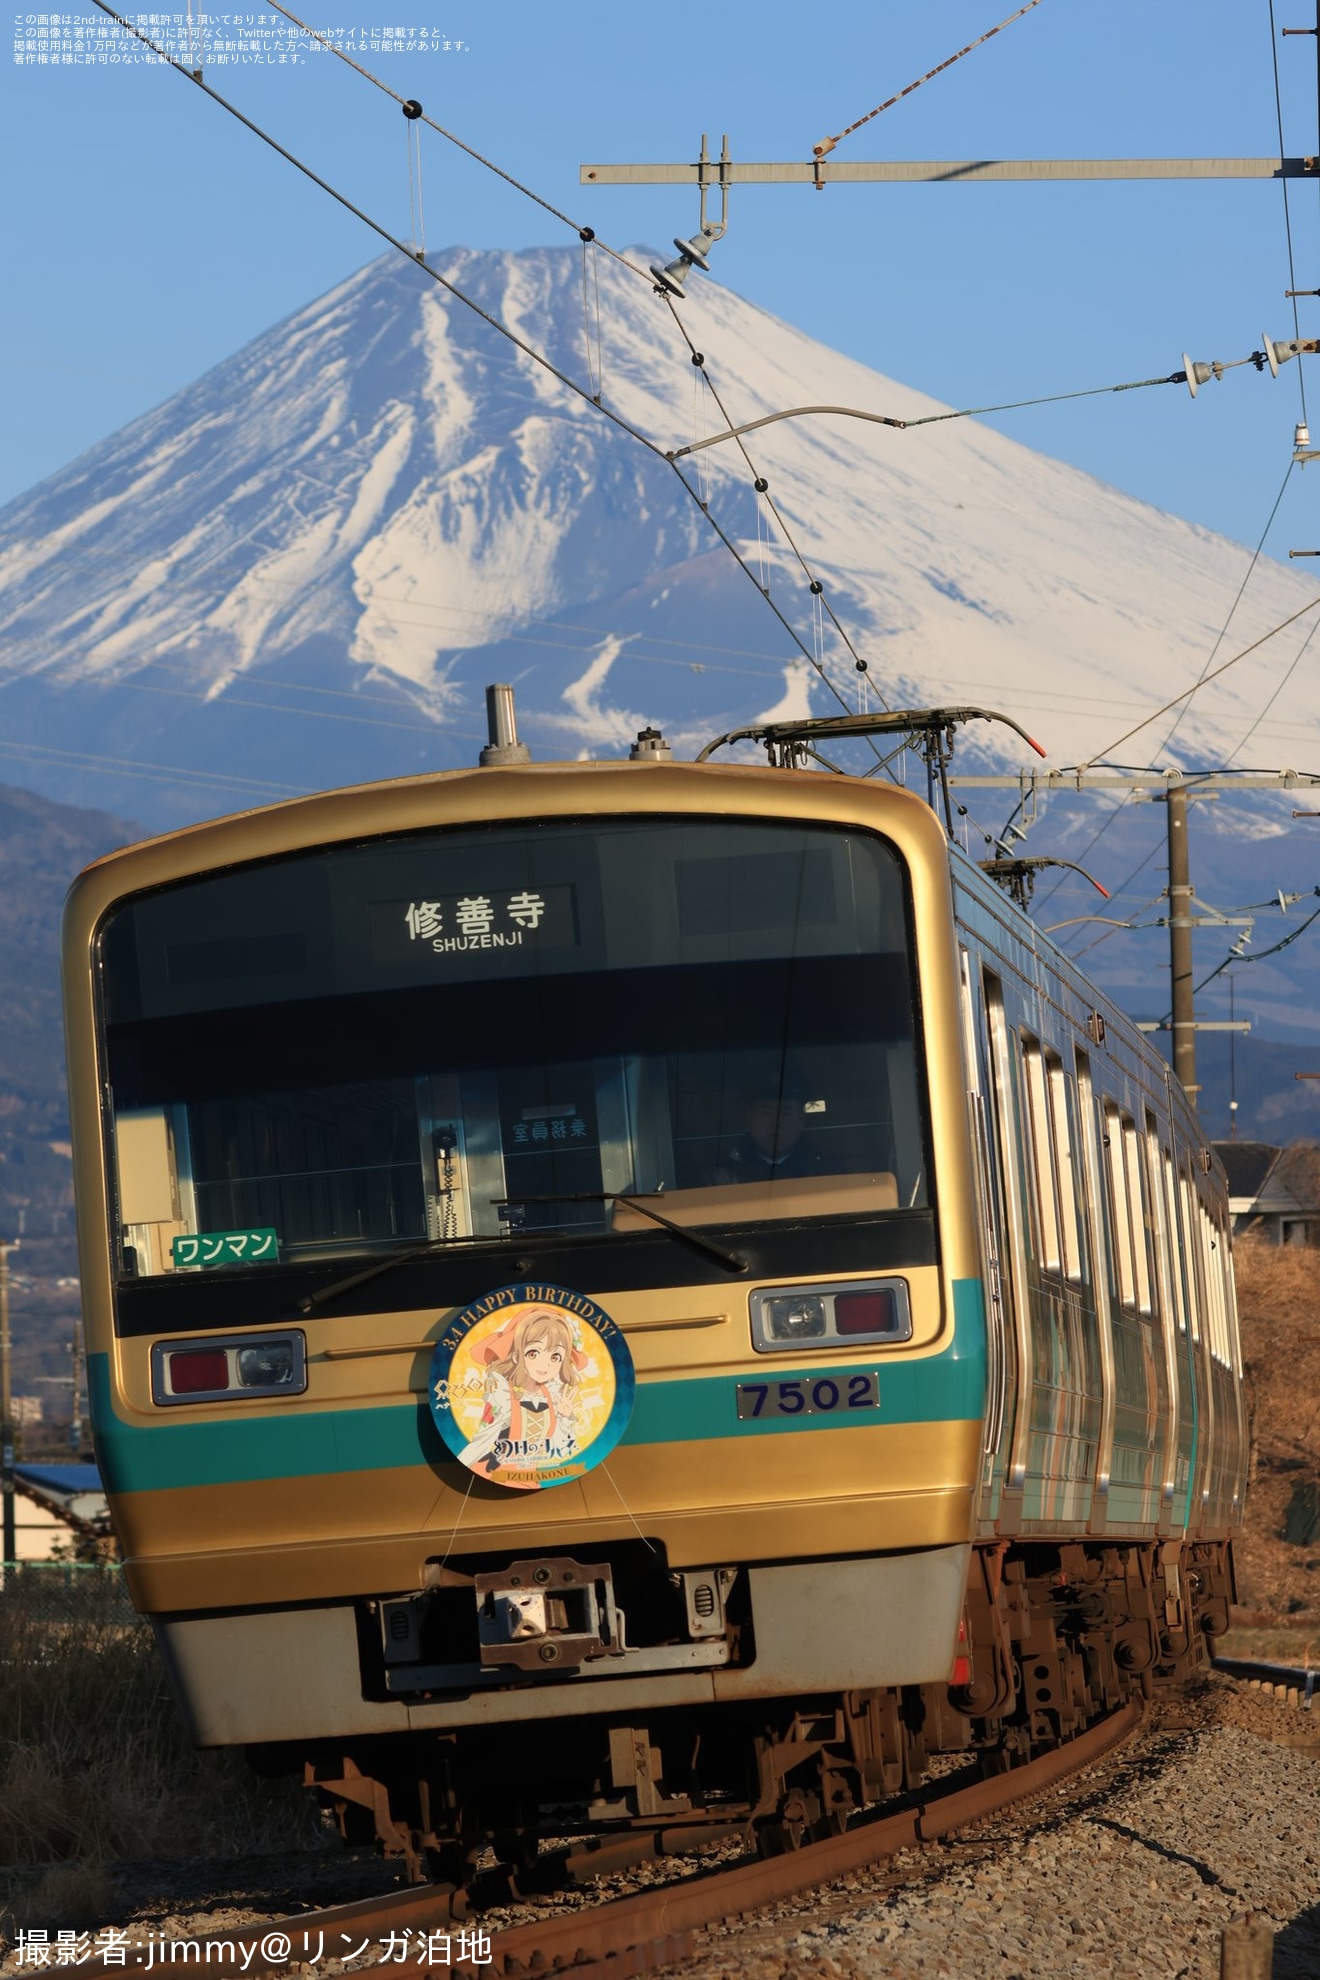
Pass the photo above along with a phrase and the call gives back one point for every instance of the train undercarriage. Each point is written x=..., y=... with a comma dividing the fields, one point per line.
x=1053, y=1636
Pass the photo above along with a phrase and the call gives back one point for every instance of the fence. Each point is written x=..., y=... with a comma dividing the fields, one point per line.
x=59, y=1596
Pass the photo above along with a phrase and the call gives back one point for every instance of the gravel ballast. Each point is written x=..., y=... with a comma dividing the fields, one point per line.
x=1132, y=1870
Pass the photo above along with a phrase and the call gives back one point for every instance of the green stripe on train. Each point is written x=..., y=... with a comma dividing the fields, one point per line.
x=293, y=1443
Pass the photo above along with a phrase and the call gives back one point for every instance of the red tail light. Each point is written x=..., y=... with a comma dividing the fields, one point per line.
x=198, y=1368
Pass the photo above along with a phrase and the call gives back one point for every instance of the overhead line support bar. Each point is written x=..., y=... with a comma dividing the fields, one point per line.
x=1044, y=781
x=944, y=171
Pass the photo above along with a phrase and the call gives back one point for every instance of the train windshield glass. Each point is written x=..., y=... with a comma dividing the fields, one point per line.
x=472, y=1033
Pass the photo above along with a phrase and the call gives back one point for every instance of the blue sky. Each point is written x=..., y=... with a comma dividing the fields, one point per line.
x=152, y=236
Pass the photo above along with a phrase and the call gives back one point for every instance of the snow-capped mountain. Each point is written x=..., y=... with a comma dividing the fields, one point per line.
x=303, y=568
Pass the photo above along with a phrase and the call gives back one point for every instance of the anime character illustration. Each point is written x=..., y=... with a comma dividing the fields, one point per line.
x=530, y=1413
x=531, y=1392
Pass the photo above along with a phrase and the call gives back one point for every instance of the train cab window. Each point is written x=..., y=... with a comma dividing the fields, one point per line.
x=464, y=1035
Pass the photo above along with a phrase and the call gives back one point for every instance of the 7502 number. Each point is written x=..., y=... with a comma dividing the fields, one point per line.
x=825, y=1396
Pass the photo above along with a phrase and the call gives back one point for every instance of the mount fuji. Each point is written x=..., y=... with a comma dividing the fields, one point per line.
x=302, y=570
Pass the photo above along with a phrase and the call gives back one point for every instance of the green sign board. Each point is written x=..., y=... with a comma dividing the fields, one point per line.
x=258, y=1247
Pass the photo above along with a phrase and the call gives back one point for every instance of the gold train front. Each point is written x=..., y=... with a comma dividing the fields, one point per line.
x=641, y=1291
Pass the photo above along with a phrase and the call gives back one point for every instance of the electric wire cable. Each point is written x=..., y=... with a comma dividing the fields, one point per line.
x=761, y=486
x=937, y=419
x=1301, y=654
x=520, y=343
x=589, y=237
x=1201, y=678
x=1235, y=955
x=451, y=137
x=1287, y=214
x=827, y=145
x=1186, y=693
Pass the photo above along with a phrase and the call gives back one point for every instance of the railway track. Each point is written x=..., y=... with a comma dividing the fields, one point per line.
x=1286, y=1680
x=640, y=1933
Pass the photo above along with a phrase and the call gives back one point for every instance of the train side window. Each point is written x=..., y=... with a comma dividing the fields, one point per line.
x=1194, y=1294
x=1211, y=1241
x=1173, y=1250
x=1139, y=1218
x=1230, y=1296
x=1042, y=1154
x=1065, y=1163
x=1120, y=1205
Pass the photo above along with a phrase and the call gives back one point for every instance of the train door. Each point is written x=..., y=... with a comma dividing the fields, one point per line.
x=989, y=1191
x=1101, y=1278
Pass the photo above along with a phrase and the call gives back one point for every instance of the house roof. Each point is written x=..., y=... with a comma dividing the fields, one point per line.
x=1246, y=1164
x=74, y=1491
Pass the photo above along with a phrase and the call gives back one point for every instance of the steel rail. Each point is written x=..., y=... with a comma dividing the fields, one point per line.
x=1306, y=1682
x=654, y=1928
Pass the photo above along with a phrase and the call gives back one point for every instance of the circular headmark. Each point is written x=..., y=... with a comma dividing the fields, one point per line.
x=531, y=1386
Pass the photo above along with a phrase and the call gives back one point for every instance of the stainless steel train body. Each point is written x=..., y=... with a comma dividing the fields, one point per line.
x=938, y=1421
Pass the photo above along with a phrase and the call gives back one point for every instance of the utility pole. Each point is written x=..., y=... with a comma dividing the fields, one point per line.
x=8, y=1535
x=1180, y=942
x=1165, y=787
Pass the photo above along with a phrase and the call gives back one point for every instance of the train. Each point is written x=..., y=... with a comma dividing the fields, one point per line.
x=635, y=1300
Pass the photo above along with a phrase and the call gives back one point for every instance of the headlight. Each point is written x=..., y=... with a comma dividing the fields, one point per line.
x=795, y=1318
x=853, y=1313
x=228, y=1365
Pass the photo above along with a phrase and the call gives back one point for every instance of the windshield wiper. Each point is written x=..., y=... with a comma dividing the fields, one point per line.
x=732, y=1261
x=310, y=1301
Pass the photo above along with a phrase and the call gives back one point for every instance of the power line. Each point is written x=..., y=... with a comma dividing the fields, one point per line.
x=1256, y=644
x=150, y=773
x=1105, y=824
x=520, y=343
x=963, y=412
x=827, y=145
x=584, y=234
x=1287, y=215
x=588, y=235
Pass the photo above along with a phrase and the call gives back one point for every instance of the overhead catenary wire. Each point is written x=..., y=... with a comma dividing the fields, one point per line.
x=823, y=149
x=1236, y=955
x=452, y=288
x=590, y=239
x=1287, y=213
x=761, y=485
x=936, y=419
x=1201, y=678
x=451, y=137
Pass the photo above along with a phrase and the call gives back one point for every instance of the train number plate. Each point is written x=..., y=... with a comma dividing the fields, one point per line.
x=823, y=1395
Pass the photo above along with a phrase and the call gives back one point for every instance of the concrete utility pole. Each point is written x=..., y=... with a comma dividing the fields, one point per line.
x=1180, y=942
x=8, y=1535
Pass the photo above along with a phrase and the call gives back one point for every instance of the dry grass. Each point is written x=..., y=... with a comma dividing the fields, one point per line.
x=95, y=1767
x=1279, y=1302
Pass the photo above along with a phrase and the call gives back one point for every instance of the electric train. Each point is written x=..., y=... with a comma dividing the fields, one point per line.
x=635, y=1300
